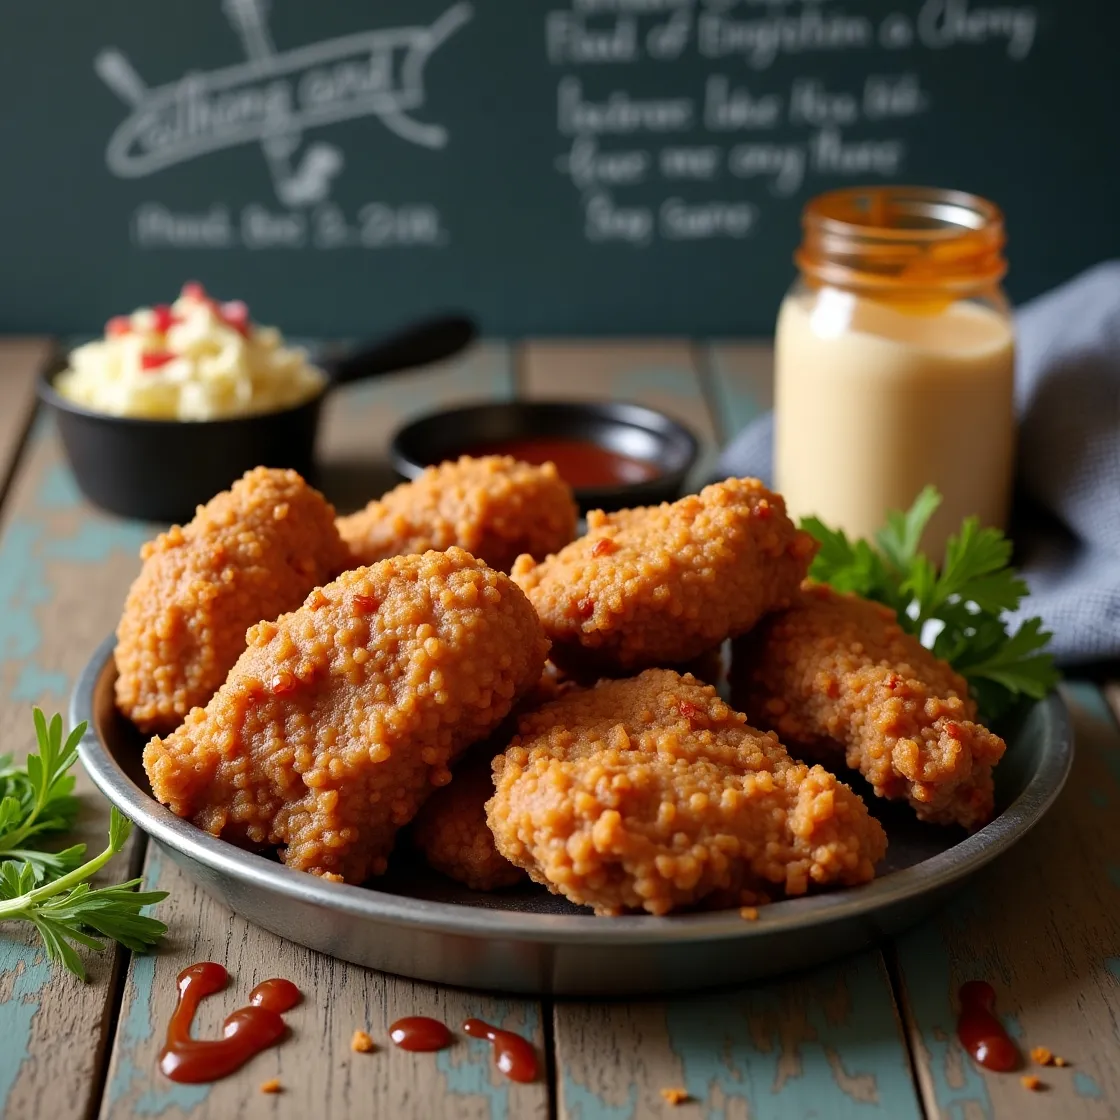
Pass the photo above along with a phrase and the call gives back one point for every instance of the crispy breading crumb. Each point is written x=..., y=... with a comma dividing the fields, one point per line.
x=1033, y=1083
x=749, y=913
x=675, y=1096
x=361, y=1043
x=1043, y=1056
x=272, y=1085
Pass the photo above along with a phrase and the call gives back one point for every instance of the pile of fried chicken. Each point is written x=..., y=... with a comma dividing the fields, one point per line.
x=532, y=704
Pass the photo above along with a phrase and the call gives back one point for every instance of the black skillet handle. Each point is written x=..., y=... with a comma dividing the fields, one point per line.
x=430, y=340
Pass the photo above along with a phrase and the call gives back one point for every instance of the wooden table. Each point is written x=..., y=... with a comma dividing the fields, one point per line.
x=869, y=1037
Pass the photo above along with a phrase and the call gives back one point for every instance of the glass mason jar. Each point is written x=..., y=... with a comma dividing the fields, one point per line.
x=894, y=361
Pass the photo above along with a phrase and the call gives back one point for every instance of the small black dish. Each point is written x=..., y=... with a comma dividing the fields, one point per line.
x=161, y=470
x=626, y=429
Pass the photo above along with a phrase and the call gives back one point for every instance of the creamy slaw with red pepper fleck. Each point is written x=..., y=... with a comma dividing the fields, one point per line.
x=197, y=359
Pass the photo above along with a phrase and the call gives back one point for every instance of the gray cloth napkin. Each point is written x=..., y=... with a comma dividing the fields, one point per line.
x=1067, y=395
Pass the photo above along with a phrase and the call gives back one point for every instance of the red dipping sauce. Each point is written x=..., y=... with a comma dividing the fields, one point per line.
x=246, y=1032
x=981, y=1033
x=513, y=1055
x=418, y=1032
x=581, y=464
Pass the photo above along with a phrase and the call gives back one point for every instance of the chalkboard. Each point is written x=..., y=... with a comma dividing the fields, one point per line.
x=553, y=166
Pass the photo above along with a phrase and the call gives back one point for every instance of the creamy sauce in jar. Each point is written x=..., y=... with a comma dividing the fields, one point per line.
x=872, y=402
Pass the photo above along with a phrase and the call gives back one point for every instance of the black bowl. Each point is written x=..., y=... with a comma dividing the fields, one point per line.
x=161, y=470
x=627, y=429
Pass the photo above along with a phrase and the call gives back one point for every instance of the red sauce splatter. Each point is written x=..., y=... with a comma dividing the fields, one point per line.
x=246, y=1032
x=155, y=359
x=513, y=1055
x=580, y=462
x=980, y=1032
x=366, y=604
x=418, y=1032
x=686, y=709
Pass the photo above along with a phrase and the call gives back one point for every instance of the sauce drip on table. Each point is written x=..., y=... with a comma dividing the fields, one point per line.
x=580, y=462
x=981, y=1033
x=418, y=1032
x=246, y=1032
x=513, y=1055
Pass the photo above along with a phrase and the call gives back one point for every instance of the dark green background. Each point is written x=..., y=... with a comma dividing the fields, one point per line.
x=1038, y=136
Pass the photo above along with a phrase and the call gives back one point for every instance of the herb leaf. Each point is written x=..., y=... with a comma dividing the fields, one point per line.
x=50, y=889
x=958, y=611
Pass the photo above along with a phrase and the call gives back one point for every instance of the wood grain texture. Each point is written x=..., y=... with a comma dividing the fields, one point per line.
x=20, y=362
x=827, y=1044
x=1043, y=927
x=322, y=1077
x=64, y=570
x=659, y=374
x=742, y=380
x=359, y=419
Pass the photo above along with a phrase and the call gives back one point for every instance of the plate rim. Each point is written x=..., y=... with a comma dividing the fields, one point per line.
x=455, y=918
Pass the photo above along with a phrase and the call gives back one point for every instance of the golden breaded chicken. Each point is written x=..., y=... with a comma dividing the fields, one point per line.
x=664, y=584
x=250, y=553
x=495, y=507
x=451, y=832
x=651, y=793
x=837, y=674
x=340, y=718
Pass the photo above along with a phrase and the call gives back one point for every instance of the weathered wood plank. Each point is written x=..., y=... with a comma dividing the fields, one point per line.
x=828, y=1044
x=20, y=362
x=1043, y=927
x=661, y=375
x=64, y=570
x=321, y=1076
x=742, y=380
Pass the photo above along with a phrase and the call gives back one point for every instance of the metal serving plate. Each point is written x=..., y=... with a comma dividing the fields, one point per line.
x=419, y=924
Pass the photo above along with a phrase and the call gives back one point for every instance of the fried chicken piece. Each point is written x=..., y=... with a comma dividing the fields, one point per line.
x=252, y=552
x=451, y=832
x=661, y=585
x=495, y=507
x=837, y=674
x=652, y=793
x=340, y=718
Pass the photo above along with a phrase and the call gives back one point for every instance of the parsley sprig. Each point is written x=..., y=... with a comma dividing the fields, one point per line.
x=957, y=610
x=50, y=889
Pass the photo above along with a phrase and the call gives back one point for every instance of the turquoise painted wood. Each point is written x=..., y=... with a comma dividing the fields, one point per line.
x=1043, y=927
x=63, y=571
x=827, y=1044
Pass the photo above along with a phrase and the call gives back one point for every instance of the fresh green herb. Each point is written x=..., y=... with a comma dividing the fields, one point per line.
x=49, y=889
x=958, y=610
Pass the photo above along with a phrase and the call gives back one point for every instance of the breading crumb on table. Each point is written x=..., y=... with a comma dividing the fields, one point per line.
x=340, y=718
x=660, y=585
x=651, y=793
x=838, y=674
x=495, y=507
x=251, y=552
